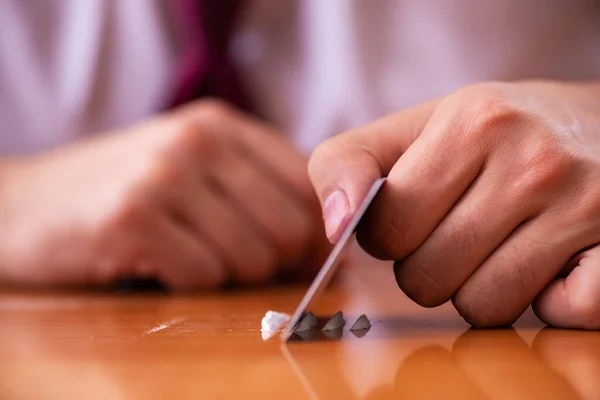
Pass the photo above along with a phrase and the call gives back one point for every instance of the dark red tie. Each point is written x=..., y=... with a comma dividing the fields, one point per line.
x=205, y=69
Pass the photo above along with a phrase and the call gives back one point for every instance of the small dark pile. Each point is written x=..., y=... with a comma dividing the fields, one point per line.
x=307, y=323
x=336, y=322
x=333, y=328
x=361, y=324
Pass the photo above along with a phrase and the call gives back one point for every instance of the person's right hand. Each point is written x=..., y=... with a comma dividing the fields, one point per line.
x=197, y=198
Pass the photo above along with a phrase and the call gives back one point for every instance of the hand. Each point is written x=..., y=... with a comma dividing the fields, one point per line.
x=492, y=200
x=196, y=197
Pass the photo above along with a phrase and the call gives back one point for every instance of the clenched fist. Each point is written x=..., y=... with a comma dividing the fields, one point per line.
x=492, y=200
x=197, y=198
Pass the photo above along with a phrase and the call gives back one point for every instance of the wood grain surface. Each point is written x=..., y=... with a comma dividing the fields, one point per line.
x=77, y=345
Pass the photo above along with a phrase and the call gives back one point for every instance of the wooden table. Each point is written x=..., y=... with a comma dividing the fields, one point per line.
x=110, y=346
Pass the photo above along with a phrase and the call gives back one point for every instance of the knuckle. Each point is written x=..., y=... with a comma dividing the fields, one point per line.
x=332, y=154
x=583, y=209
x=482, y=96
x=205, y=109
x=166, y=176
x=380, y=242
x=197, y=139
x=483, y=112
x=393, y=239
x=327, y=147
x=420, y=286
x=214, y=109
x=545, y=165
x=132, y=211
x=381, y=233
x=458, y=238
x=466, y=239
x=489, y=116
x=322, y=153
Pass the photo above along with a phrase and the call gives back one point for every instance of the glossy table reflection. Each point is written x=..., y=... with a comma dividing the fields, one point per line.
x=109, y=346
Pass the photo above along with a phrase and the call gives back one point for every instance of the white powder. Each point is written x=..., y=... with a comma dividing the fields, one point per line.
x=272, y=323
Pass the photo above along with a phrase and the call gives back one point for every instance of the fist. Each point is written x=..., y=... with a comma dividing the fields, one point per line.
x=198, y=198
x=492, y=200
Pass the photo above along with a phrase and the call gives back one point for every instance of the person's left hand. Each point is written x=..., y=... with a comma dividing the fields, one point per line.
x=492, y=200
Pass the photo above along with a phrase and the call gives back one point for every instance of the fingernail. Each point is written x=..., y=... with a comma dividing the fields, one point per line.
x=335, y=210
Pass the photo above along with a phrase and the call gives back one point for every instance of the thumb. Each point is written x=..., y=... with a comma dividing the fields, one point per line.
x=343, y=168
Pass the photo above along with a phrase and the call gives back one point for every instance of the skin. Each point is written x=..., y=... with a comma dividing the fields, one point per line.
x=199, y=197
x=492, y=199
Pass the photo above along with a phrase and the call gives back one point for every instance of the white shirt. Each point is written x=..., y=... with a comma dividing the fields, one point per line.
x=74, y=67
x=320, y=67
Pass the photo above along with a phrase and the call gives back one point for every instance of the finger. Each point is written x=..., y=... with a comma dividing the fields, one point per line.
x=181, y=261
x=574, y=355
x=485, y=356
x=279, y=158
x=197, y=208
x=471, y=231
x=574, y=301
x=278, y=161
x=267, y=206
x=422, y=187
x=225, y=130
x=248, y=254
x=508, y=281
x=431, y=373
x=276, y=158
x=343, y=168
